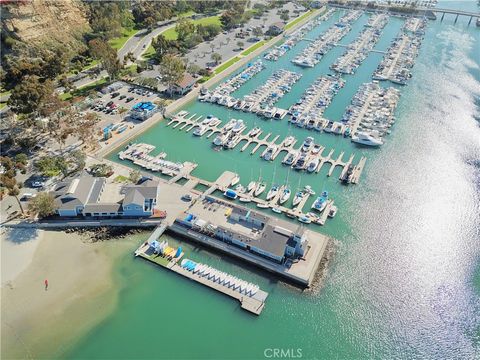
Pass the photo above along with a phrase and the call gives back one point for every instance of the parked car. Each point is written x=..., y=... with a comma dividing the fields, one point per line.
x=37, y=184
x=122, y=97
x=129, y=99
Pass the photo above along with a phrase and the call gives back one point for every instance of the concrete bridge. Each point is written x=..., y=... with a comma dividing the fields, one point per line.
x=430, y=13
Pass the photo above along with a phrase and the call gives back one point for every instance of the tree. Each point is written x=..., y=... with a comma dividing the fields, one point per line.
x=52, y=165
x=161, y=46
x=228, y=20
x=171, y=69
x=101, y=50
x=31, y=94
x=193, y=69
x=150, y=23
x=134, y=176
x=184, y=29
x=42, y=205
x=284, y=16
x=216, y=57
x=101, y=170
x=257, y=31
x=240, y=44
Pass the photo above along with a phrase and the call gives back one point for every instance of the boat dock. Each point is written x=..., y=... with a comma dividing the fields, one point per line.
x=249, y=295
x=183, y=121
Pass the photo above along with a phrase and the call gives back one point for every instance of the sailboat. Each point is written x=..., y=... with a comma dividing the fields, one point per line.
x=235, y=180
x=285, y=195
x=297, y=199
x=274, y=190
x=261, y=186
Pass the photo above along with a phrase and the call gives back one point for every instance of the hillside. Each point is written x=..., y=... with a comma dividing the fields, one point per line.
x=44, y=20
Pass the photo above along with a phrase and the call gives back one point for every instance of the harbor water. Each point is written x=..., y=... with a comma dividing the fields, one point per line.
x=404, y=278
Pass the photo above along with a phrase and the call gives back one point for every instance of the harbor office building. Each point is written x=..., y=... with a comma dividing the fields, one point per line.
x=90, y=196
x=252, y=232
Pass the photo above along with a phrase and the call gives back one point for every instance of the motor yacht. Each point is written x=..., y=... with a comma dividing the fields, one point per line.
x=238, y=126
x=235, y=180
x=307, y=144
x=288, y=141
x=316, y=149
x=321, y=202
x=220, y=139
x=365, y=138
x=300, y=163
x=200, y=130
x=313, y=164
x=271, y=150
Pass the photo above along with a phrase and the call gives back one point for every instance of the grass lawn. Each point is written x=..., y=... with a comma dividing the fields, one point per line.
x=84, y=89
x=171, y=34
x=121, y=179
x=117, y=43
x=253, y=48
x=297, y=20
x=225, y=65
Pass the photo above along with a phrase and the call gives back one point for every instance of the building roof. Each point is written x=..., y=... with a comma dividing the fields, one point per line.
x=278, y=24
x=250, y=214
x=103, y=207
x=186, y=81
x=78, y=192
x=136, y=194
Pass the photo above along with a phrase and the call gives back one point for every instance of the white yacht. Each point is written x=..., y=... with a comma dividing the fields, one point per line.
x=316, y=149
x=235, y=180
x=230, y=124
x=307, y=144
x=251, y=186
x=254, y=132
x=260, y=188
x=285, y=195
x=288, y=141
x=365, y=138
x=308, y=189
x=272, y=192
x=238, y=126
x=313, y=164
x=298, y=198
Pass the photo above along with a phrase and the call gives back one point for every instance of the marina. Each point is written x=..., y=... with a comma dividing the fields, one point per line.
x=400, y=57
x=318, y=47
x=360, y=48
x=371, y=114
x=302, y=156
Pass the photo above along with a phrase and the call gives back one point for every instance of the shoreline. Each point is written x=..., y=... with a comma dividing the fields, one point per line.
x=46, y=323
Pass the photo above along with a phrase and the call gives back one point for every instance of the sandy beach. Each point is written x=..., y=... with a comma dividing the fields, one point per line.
x=39, y=323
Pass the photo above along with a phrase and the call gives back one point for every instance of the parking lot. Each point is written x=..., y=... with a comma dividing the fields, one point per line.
x=113, y=107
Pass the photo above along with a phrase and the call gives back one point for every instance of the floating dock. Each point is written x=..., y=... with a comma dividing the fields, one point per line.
x=230, y=285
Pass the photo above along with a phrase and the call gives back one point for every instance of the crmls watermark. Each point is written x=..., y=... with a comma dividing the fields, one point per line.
x=279, y=353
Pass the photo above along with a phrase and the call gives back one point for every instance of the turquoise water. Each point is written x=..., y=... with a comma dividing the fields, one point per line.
x=403, y=281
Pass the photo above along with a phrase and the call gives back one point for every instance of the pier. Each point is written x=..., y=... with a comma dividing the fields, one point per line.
x=252, y=303
x=184, y=120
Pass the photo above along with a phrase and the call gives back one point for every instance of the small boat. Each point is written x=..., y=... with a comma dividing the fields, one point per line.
x=313, y=164
x=307, y=144
x=289, y=158
x=347, y=177
x=240, y=189
x=272, y=192
x=220, y=139
x=263, y=205
x=321, y=202
x=316, y=149
x=260, y=188
x=304, y=219
x=285, y=196
x=251, y=186
x=229, y=193
x=276, y=210
x=288, y=141
x=200, y=130
x=308, y=189
x=254, y=132
x=244, y=199
x=235, y=180
x=238, y=126
x=230, y=125
x=365, y=138
x=300, y=163
x=332, y=212
x=297, y=199
x=272, y=149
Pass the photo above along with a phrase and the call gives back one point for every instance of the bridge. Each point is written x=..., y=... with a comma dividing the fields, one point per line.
x=458, y=13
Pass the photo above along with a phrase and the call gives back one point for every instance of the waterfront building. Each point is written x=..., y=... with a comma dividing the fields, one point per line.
x=183, y=86
x=90, y=196
x=257, y=234
x=143, y=110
